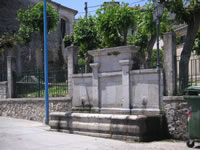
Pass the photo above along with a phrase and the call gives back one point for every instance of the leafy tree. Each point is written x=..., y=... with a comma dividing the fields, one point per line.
x=86, y=35
x=104, y=30
x=7, y=41
x=145, y=34
x=31, y=20
x=68, y=39
x=187, y=11
x=154, y=58
x=113, y=22
x=196, y=47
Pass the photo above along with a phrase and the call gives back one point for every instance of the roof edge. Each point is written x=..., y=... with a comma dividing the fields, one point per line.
x=59, y=5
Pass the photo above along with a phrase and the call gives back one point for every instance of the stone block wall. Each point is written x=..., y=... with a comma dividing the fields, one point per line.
x=118, y=91
x=145, y=90
x=3, y=89
x=176, y=110
x=82, y=89
x=110, y=87
x=33, y=108
x=114, y=84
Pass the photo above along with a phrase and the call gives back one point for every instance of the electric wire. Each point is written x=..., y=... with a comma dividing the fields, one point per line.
x=137, y=2
x=100, y=5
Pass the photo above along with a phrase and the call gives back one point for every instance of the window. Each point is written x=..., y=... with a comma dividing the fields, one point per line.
x=63, y=27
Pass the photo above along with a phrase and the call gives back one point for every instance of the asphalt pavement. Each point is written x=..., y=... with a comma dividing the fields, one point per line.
x=18, y=134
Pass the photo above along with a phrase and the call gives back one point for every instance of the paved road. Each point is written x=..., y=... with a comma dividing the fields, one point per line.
x=17, y=134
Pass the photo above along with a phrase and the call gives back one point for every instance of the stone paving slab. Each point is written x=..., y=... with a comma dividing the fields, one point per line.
x=17, y=134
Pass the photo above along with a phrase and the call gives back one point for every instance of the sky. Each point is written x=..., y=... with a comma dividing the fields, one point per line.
x=93, y=5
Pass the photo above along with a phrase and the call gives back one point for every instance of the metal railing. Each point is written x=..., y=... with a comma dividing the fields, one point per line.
x=193, y=71
x=31, y=84
x=3, y=69
x=82, y=69
x=3, y=76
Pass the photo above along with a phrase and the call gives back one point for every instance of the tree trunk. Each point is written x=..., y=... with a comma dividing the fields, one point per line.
x=149, y=51
x=125, y=36
x=186, y=53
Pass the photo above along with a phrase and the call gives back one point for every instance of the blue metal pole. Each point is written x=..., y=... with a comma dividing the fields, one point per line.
x=46, y=66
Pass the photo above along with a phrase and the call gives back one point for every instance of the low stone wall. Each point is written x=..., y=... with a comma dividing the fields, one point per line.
x=3, y=89
x=33, y=108
x=176, y=110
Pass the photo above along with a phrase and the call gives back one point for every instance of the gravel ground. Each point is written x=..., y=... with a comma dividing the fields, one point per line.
x=17, y=134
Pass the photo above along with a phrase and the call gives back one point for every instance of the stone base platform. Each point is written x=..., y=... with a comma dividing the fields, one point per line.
x=122, y=127
x=124, y=111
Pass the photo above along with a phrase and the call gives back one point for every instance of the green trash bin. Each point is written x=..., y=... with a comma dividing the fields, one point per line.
x=192, y=95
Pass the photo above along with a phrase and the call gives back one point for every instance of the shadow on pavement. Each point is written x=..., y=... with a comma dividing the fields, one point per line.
x=197, y=147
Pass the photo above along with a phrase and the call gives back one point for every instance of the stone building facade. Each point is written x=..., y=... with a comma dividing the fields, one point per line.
x=29, y=56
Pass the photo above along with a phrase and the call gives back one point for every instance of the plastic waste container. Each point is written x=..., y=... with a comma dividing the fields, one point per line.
x=192, y=96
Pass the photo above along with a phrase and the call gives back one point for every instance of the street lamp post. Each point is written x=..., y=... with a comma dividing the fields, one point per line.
x=46, y=65
x=157, y=14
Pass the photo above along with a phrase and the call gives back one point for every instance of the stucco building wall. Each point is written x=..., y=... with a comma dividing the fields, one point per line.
x=30, y=55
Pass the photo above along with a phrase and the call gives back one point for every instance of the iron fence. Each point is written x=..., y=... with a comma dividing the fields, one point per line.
x=3, y=68
x=82, y=69
x=3, y=75
x=193, y=72
x=31, y=84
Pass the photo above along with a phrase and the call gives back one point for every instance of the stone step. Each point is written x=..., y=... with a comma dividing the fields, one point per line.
x=124, y=127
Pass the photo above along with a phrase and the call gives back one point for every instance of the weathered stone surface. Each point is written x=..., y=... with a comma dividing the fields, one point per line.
x=3, y=90
x=123, y=127
x=170, y=63
x=113, y=56
x=82, y=90
x=113, y=87
x=176, y=109
x=145, y=89
x=32, y=109
x=72, y=60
